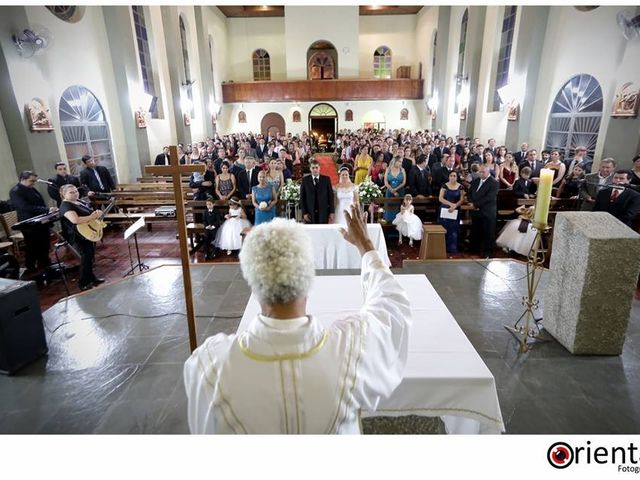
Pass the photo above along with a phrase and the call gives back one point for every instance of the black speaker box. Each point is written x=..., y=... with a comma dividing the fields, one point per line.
x=22, y=338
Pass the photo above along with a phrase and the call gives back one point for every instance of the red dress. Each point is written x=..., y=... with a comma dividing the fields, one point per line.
x=509, y=175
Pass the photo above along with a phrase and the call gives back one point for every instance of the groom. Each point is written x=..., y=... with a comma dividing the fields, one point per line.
x=316, y=196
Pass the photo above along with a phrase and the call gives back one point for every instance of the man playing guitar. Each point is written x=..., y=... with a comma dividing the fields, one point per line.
x=74, y=213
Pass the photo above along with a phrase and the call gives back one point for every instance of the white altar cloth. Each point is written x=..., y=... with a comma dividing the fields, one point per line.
x=332, y=251
x=444, y=375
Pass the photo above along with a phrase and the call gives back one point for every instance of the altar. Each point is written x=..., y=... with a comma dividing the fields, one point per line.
x=331, y=251
x=444, y=376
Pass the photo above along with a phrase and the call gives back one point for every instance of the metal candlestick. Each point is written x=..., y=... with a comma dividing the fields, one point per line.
x=527, y=335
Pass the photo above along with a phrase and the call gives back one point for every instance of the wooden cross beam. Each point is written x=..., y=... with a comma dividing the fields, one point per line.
x=174, y=169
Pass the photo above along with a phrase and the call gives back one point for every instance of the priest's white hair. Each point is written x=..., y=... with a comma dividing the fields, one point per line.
x=277, y=261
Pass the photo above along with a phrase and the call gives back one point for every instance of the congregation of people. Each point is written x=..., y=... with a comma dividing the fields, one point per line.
x=246, y=174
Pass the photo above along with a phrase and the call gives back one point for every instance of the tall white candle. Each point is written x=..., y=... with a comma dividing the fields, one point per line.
x=543, y=198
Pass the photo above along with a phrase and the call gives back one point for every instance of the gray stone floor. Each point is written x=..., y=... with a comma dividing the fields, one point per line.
x=116, y=353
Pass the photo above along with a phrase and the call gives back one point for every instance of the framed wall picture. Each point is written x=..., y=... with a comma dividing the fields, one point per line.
x=39, y=116
x=625, y=103
x=187, y=119
x=141, y=121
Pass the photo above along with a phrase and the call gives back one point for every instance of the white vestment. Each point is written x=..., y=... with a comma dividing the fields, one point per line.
x=295, y=376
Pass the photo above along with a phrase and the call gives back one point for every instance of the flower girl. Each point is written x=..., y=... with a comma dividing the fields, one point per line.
x=407, y=223
x=229, y=237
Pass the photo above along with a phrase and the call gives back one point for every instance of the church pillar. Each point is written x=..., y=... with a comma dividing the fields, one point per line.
x=118, y=22
x=526, y=66
x=472, y=57
x=36, y=151
x=205, y=71
x=442, y=86
x=171, y=27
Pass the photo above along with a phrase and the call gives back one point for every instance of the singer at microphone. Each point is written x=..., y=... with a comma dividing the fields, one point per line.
x=29, y=203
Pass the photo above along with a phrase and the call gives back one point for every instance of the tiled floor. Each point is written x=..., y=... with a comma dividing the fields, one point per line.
x=116, y=355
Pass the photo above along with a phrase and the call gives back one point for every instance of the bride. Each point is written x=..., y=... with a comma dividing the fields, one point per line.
x=346, y=193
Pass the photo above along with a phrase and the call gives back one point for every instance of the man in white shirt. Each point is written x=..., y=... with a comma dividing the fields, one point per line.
x=287, y=373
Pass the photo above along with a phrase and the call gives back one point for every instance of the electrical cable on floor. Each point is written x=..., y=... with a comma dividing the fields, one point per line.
x=223, y=317
x=504, y=280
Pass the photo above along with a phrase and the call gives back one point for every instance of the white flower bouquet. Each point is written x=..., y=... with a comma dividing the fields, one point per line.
x=368, y=191
x=291, y=191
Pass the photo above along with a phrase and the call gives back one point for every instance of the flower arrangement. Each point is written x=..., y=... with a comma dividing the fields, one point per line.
x=291, y=191
x=368, y=191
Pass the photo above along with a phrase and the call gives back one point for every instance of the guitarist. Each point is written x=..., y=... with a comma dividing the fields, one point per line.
x=74, y=212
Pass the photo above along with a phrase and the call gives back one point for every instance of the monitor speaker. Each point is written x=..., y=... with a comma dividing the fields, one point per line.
x=22, y=338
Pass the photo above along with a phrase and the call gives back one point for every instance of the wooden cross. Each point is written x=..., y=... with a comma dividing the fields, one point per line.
x=174, y=169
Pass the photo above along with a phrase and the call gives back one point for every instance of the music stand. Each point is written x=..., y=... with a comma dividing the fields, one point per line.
x=132, y=230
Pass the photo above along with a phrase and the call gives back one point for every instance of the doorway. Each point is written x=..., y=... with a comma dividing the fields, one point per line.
x=323, y=125
x=272, y=125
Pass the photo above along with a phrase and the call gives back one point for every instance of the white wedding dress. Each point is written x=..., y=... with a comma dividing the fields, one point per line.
x=228, y=237
x=344, y=201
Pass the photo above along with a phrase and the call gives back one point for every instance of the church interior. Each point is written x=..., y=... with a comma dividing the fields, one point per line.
x=128, y=87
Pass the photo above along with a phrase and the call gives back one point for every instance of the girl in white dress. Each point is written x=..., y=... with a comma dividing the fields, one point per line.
x=229, y=237
x=408, y=223
x=518, y=234
x=346, y=195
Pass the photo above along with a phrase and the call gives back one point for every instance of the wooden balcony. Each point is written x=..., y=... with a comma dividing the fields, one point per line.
x=322, y=90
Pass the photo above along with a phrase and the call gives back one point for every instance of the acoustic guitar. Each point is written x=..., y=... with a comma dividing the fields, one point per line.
x=93, y=230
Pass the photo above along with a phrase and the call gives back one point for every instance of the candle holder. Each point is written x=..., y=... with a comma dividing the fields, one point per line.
x=528, y=334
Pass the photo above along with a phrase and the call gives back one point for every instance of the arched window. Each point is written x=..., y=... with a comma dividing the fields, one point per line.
x=382, y=62
x=261, y=65
x=404, y=114
x=461, y=51
x=185, y=61
x=211, y=63
x=71, y=14
x=575, y=116
x=242, y=117
x=504, y=54
x=144, y=55
x=84, y=129
x=348, y=116
x=321, y=66
x=296, y=116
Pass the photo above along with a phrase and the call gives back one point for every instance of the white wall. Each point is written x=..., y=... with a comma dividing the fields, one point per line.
x=394, y=31
x=579, y=42
x=426, y=26
x=246, y=35
x=256, y=111
x=451, y=119
x=489, y=124
x=306, y=25
x=8, y=173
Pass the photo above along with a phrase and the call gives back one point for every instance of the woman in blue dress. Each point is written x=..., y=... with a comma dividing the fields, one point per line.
x=451, y=197
x=264, y=199
x=394, y=180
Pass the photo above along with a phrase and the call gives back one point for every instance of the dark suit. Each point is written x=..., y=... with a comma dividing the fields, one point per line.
x=88, y=178
x=520, y=156
x=522, y=187
x=440, y=177
x=246, y=180
x=419, y=182
x=161, y=159
x=316, y=200
x=483, y=227
x=535, y=168
x=439, y=152
x=586, y=165
x=29, y=203
x=58, y=181
x=211, y=218
x=625, y=208
x=260, y=151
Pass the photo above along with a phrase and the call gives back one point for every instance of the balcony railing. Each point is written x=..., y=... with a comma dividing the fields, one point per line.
x=322, y=90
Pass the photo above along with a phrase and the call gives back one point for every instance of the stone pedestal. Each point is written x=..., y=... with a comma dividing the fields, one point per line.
x=592, y=279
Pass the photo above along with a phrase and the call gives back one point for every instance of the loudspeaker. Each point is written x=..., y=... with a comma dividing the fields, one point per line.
x=22, y=337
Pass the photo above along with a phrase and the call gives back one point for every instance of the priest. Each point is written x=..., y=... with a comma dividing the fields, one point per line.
x=288, y=373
